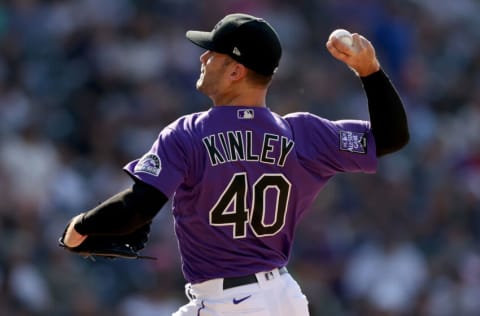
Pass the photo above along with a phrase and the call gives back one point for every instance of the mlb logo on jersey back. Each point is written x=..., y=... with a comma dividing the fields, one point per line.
x=245, y=114
x=353, y=142
x=149, y=163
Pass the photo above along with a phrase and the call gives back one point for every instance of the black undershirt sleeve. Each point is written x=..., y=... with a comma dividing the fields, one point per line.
x=387, y=114
x=124, y=212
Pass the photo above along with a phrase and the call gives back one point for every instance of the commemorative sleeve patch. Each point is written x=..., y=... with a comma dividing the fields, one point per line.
x=149, y=163
x=353, y=142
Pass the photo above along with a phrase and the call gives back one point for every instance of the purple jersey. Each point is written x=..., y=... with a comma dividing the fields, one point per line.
x=242, y=177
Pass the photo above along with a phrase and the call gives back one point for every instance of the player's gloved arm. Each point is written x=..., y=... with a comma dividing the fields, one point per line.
x=124, y=212
x=387, y=114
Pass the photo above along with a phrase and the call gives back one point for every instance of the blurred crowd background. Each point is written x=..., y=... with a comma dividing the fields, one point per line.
x=86, y=85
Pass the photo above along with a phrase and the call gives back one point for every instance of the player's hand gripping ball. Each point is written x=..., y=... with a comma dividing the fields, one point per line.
x=343, y=35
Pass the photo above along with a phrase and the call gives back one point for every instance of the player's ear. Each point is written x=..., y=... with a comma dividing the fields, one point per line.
x=237, y=72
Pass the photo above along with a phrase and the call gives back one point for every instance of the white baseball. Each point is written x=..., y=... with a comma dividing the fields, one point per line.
x=344, y=36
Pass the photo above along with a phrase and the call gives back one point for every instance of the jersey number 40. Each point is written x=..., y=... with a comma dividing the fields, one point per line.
x=236, y=191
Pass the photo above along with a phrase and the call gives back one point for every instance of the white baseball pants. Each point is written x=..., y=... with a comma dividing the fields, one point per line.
x=274, y=294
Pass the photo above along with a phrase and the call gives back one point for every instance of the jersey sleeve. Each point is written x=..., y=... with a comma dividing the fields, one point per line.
x=165, y=165
x=329, y=147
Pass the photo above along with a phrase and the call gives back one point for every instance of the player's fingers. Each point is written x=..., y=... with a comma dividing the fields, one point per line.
x=340, y=45
x=364, y=61
x=71, y=238
x=362, y=43
x=336, y=42
x=335, y=52
x=360, y=57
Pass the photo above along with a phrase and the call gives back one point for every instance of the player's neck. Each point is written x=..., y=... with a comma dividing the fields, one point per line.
x=251, y=98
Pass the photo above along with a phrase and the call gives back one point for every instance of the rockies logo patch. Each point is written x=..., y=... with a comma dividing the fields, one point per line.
x=353, y=142
x=149, y=163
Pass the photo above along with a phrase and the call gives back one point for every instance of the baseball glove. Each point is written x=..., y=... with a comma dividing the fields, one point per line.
x=112, y=246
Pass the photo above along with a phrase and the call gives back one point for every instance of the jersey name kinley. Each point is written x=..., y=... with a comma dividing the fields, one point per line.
x=238, y=145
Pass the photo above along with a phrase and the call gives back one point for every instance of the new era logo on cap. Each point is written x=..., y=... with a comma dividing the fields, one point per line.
x=236, y=51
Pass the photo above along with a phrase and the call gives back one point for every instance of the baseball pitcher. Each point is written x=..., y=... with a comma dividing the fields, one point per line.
x=241, y=176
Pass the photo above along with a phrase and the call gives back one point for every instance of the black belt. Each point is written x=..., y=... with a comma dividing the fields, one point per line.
x=228, y=283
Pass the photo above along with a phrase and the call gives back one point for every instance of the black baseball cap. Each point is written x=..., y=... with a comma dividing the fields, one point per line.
x=247, y=39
